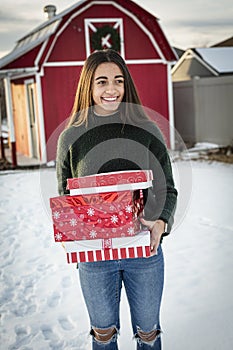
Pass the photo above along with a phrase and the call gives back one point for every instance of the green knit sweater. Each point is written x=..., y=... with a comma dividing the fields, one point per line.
x=107, y=145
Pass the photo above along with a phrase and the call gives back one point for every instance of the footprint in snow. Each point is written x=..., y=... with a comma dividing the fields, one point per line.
x=21, y=331
x=54, y=299
x=66, y=282
x=66, y=324
x=8, y=261
x=48, y=333
x=34, y=260
x=44, y=267
x=23, y=337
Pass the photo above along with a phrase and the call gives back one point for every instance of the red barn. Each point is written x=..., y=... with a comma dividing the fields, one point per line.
x=42, y=71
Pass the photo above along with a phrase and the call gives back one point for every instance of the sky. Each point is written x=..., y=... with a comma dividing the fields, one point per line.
x=186, y=23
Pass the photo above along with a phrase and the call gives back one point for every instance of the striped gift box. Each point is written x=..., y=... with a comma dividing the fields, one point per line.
x=108, y=249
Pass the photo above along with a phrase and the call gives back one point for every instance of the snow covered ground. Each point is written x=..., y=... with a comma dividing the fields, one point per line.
x=41, y=303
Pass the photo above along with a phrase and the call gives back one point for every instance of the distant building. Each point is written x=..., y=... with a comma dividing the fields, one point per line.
x=203, y=62
x=224, y=43
x=203, y=95
x=178, y=51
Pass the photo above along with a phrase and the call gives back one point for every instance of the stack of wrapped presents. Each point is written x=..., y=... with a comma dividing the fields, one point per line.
x=100, y=218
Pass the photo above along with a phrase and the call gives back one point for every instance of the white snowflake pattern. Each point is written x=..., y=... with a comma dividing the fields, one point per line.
x=73, y=222
x=56, y=215
x=90, y=211
x=114, y=219
x=58, y=236
x=128, y=209
x=130, y=230
x=93, y=234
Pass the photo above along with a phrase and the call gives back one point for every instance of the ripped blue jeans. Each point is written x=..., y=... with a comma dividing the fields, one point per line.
x=143, y=279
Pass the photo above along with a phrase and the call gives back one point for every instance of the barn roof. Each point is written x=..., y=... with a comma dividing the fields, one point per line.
x=36, y=36
x=43, y=32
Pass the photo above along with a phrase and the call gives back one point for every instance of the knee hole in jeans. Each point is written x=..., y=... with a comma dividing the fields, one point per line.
x=148, y=337
x=103, y=335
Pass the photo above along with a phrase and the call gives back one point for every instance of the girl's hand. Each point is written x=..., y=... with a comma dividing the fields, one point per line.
x=156, y=229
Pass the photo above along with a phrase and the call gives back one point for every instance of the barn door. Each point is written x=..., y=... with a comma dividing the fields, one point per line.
x=33, y=134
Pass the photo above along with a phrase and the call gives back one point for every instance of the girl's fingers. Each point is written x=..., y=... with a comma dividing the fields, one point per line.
x=156, y=229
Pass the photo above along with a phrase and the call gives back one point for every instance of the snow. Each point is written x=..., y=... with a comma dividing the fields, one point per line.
x=200, y=148
x=4, y=130
x=203, y=146
x=41, y=302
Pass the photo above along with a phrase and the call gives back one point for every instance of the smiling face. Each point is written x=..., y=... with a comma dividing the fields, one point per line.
x=107, y=88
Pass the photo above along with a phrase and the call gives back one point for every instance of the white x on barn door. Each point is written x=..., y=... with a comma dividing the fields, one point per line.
x=104, y=30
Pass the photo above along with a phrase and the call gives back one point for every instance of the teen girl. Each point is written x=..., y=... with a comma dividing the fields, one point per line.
x=109, y=131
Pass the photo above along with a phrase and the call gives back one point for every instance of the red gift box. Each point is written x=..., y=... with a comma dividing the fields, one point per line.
x=94, y=216
x=100, y=206
x=108, y=249
x=108, y=182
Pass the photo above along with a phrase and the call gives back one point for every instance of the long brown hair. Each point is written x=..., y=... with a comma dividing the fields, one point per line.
x=131, y=110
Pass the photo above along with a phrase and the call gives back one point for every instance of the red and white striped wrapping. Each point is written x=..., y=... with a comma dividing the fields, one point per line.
x=110, y=182
x=108, y=249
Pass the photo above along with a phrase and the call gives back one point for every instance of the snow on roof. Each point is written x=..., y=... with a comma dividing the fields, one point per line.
x=220, y=58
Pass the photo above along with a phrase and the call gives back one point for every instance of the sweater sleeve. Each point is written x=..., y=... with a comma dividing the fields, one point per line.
x=169, y=193
x=63, y=167
x=164, y=191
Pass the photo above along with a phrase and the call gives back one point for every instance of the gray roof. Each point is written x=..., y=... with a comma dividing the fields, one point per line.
x=219, y=58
